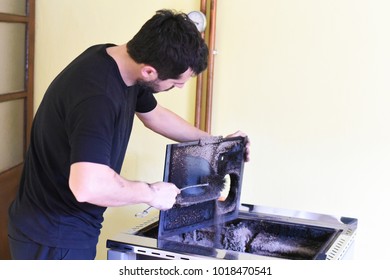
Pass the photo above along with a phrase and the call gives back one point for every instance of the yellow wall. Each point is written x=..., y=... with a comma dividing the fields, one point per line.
x=305, y=79
x=309, y=81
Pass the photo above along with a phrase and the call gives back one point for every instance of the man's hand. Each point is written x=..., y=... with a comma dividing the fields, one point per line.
x=247, y=146
x=164, y=195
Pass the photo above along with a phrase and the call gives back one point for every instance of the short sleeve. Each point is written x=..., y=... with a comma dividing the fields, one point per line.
x=90, y=129
x=146, y=101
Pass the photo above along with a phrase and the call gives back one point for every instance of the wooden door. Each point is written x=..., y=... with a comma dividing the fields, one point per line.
x=17, y=20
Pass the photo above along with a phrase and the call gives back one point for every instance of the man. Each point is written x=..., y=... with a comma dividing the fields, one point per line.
x=81, y=131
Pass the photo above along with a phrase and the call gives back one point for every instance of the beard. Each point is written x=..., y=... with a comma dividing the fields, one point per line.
x=148, y=86
x=152, y=86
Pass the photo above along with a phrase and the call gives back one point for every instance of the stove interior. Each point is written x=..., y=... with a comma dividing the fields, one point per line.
x=260, y=237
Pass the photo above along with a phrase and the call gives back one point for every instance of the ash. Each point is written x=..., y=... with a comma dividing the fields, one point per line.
x=256, y=238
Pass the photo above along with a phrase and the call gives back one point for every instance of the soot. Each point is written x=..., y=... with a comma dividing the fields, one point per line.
x=261, y=238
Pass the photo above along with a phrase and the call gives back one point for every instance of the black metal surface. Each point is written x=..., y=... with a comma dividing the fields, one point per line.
x=208, y=162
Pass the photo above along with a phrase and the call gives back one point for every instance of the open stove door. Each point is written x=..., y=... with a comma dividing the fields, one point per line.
x=212, y=165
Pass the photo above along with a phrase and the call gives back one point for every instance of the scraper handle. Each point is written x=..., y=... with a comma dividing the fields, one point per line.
x=143, y=213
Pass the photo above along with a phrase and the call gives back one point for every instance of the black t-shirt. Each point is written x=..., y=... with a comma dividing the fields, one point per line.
x=86, y=115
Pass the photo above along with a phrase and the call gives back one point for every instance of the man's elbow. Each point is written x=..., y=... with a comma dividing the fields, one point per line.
x=80, y=192
x=81, y=181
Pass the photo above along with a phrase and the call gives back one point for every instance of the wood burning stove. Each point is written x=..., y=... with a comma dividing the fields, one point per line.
x=202, y=224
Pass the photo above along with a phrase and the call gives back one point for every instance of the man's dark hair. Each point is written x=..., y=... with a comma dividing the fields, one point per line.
x=171, y=43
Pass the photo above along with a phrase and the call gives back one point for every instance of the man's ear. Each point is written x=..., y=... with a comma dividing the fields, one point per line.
x=149, y=73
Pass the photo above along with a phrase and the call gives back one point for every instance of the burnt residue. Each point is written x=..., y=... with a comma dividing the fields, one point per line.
x=280, y=240
x=182, y=218
x=209, y=188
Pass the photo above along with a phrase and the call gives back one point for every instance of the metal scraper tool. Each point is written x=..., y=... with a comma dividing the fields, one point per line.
x=194, y=186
